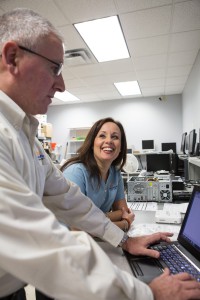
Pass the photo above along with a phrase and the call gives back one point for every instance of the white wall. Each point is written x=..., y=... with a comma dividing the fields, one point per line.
x=191, y=99
x=142, y=118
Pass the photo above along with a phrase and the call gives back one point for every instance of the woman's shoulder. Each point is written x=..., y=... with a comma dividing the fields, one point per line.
x=76, y=167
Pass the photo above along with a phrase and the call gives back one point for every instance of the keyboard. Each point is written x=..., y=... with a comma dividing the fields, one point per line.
x=175, y=261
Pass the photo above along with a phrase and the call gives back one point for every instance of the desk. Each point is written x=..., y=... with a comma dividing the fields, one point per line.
x=144, y=223
x=191, y=167
x=194, y=168
x=141, y=217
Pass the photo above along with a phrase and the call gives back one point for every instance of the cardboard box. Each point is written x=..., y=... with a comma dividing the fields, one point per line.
x=46, y=129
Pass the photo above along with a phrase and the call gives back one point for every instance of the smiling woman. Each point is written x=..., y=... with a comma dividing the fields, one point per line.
x=97, y=170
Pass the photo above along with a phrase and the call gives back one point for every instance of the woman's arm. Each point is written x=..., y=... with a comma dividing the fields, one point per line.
x=121, y=215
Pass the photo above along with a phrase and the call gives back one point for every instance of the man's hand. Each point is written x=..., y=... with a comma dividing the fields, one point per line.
x=139, y=245
x=176, y=287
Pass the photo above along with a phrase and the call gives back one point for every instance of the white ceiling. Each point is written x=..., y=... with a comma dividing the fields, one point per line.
x=163, y=38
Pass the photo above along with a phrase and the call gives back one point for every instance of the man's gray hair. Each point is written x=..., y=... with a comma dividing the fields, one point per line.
x=25, y=27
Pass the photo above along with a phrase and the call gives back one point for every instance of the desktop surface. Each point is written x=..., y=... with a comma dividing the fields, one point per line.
x=144, y=223
x=145, y=219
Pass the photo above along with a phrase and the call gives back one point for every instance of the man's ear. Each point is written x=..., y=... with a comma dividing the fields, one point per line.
x=9, y=55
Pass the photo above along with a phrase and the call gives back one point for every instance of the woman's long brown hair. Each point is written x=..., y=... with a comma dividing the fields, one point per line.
x=85, y=153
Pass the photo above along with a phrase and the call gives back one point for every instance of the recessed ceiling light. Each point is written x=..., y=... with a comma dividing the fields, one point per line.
x=65, y=96
x=128, y=88
x=105, y=38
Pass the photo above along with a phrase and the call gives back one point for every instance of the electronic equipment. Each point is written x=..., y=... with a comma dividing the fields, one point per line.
x=165, y=190
x=186, y=145
x=181, y=195
x=199, y=144
x=192, y=142
x=168, y=146
x=187, y=245
x=164, y=175
x=177, y=183
x=149, y=189
x=148, y=145
x=183, y=143
x=159, y=161
x=169, y=217
x=197, y=150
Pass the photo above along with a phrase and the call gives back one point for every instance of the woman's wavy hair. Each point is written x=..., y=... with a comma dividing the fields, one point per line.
x=85, y=153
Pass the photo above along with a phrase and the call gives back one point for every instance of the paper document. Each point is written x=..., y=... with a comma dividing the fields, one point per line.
x=151, y=206
x=149, y=228
x=176, y=207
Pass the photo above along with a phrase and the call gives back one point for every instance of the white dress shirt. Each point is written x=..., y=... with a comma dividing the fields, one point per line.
x=35, y=248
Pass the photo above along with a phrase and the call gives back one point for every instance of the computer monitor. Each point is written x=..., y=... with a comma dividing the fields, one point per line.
x=196, y=151
x=156, y=162
x=168, y=146
x=147, y=144
x=198, y=146
x=183, y=142
x=187, y=143
x=192, y=142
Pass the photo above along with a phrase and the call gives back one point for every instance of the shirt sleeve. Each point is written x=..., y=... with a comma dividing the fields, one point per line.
x=75, y=209
x=45, y=254
x=75, y=174
x=37, y=249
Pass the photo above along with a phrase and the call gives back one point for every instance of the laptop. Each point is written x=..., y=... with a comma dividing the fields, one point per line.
x=187, y=247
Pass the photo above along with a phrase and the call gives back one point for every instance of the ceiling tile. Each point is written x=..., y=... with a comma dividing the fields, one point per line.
x=47, y=8
x=150, y=62
x=137, y=25
x=151, y=83
x=186, y=41
x=120, y=66
x=178, y=71
x=163, y=38
x=148, y=46
x=130, y=5
x=152, y=73
x=84, y=10
x=186, y=16
x=182, y=58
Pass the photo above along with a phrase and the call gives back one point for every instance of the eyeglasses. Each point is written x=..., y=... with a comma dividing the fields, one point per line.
x=57, y=71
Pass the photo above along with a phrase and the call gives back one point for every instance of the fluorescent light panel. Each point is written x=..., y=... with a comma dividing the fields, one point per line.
x=105, y=38
x=129, y=88
x=65, y=96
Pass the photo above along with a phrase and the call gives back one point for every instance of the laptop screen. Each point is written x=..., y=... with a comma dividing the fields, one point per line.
x=189, y=235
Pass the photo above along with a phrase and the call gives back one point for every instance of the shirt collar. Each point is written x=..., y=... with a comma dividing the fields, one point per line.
x=14, y=114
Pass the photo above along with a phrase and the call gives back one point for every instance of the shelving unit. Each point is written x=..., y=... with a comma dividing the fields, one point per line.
x=76, y=138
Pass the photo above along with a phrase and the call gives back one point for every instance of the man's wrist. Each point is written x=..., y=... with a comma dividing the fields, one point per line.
x=124, y=239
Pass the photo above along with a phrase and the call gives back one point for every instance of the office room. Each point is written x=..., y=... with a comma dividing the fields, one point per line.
x=161, y=42
x=164, y=59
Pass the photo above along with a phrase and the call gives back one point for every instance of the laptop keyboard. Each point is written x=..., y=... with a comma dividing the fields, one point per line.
x=175, y=261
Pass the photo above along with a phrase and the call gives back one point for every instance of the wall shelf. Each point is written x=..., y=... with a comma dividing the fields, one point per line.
x=76, y=138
